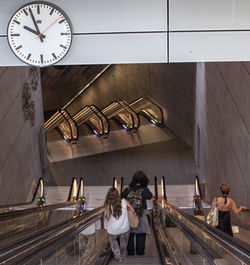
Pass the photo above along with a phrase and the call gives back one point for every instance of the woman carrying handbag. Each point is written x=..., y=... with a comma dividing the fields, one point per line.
x=225, y=204
x=117, y=222
x=137, y=193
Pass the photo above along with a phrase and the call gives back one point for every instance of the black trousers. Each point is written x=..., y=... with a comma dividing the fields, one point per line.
x=140, y=244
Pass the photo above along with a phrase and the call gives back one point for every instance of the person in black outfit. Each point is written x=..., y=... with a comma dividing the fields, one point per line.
x=225, y=204
x=139, y=183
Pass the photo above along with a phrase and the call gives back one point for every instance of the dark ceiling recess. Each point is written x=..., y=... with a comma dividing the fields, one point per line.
x=61, y=83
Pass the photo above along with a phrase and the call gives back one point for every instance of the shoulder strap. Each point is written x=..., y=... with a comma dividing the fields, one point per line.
x=141, y=190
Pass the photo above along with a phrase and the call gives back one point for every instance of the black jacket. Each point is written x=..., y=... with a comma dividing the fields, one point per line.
x=146, y=194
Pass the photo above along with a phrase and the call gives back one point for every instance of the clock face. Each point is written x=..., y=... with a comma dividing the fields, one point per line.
x=40, y=34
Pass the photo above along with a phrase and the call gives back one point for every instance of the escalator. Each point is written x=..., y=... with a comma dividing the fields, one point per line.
x=29, y=204
x=176, y=238
x=21, y=221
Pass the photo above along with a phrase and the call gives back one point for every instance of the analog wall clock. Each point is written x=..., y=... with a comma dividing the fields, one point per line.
x=40, y=34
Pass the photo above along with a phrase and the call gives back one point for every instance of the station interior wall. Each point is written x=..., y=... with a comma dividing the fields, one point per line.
x=222, y=116
x=21, y=143
x=142, y=31
x=168, y=85
x=172, y=159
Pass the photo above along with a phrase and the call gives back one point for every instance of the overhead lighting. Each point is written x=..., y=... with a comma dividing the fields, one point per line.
x=89, y=84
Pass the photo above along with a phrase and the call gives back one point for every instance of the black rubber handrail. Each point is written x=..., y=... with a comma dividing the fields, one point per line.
x=97, y=113
x=203, y=248
x=34, y=246
x=33, y=210
x=60, y=131
x=103, y=115
x=79, y=187
x=23, y=203
x=236, y=246
x=165, y=254
x=129, y=112
x=141, y=113
x=134, y=112
x=156, y=188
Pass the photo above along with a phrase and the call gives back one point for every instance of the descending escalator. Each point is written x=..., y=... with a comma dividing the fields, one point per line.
x=20, y=221
x=29, y=204
x=176, y=238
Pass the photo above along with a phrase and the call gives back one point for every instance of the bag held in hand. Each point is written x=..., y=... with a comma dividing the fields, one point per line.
x=212, y=217
x=133, y=219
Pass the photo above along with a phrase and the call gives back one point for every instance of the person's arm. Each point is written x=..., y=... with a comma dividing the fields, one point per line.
x=148, y=194
x=213, y=203
x=235, y=209
x=131, y=208
x=107, y=212
x=125, y=193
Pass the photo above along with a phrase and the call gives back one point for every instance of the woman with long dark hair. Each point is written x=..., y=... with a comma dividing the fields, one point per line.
x=118, y=224
x=225, y=204
x=138, y=188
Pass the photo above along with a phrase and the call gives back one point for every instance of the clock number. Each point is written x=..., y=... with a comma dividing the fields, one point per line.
x=38, y=10
x=41, y=57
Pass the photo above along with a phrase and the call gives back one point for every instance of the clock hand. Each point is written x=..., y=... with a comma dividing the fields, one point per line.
x=34, y=21
x=40, y=34
x=33, y=31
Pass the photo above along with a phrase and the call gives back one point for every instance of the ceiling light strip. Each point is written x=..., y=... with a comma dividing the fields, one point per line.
x=89, y=84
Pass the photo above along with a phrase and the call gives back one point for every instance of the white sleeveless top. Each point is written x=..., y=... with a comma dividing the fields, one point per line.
x=120, y=225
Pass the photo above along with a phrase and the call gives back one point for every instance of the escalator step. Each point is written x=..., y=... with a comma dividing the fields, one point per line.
x=151, y=256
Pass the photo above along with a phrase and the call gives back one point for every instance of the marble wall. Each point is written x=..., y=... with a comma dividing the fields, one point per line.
x=21, y=133
x=222, y=128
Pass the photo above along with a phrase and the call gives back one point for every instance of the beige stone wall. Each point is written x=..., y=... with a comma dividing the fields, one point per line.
x=223, y=118
x=20, y=165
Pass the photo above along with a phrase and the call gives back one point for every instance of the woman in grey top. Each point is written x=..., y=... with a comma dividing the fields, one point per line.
x=139, y=184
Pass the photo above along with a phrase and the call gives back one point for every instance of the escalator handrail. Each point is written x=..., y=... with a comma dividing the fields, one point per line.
x=71, y=188
x=24, y=203
x=32, y=246
x=163, y=253
x=105, y=117
x=203, y=248
x=79, y=188
x=237, y=247
x=22, y=213
x=199, y=187
x=29, y=211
